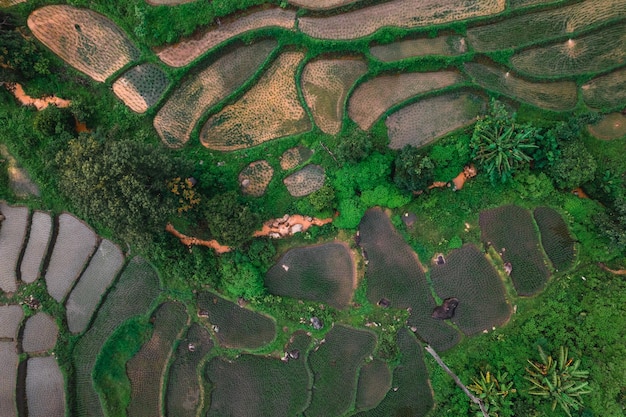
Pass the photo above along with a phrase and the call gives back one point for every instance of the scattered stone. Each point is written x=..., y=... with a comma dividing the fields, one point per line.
x=294, y=354
x=203, y=313
x=409, y=219
x=508, y=268
x=316, y=323
x=191, y=347
x=446, y=310
x=440, y=260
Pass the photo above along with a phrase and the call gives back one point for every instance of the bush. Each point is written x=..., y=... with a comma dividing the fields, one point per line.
x=413, y=170
x=575, y=167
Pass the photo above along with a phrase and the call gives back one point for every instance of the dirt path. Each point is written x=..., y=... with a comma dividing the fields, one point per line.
x=194, y=241
x=19, y=180
x=613, y=271
x=40, y=103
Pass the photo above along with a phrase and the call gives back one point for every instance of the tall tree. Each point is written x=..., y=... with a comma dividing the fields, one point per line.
x=413, y=171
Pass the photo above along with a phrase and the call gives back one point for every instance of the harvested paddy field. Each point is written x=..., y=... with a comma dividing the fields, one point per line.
x=146, y=370
x=184, y=393
x=141, y=87
x=9, y=3
x=530, y=28
x=552, y=95
x=325, y=86
x=606, y=90
x=132, y=295
x=10, y=318
x=205, y=88
x=293, y=157
x=518, y=244
x=255, y=178
x=371, y=99
x=12, y=234
x=611, y=126
x=469, y=277
x=86, y=40
x=325, y=273
x=374, y=383
x=399, y=13
x=233, y=326
x=271, y=109
x=74, y=245
x=335, y=365
x=86, y=295
x=40, y=333
x=260, y=386
x=411, y=395
x=45, y=392
x=595, y=52
x=183, y=53
x=411, y=48
x=556, y=240
x=37, y=247
x=9, y=361
x=395, y=274
x=422, y=122
x=305, y=181
x=320, y=4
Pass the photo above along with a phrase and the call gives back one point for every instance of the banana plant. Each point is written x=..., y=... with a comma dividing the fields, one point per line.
x=495, y=391
x=560, y=380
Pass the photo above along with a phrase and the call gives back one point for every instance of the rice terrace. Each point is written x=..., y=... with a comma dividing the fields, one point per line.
x=302, y=208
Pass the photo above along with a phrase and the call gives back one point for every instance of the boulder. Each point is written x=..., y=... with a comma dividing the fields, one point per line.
x=446, y=309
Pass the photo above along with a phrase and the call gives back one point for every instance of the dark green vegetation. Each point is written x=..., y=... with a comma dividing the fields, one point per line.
x=374, y=382
x=127, y=186
x=323, y=273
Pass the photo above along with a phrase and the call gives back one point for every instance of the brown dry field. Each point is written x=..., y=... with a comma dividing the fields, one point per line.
x=320, y=4
x=9, y=3
x=86, y=40
x=612, y=126
x=420, y=123
x=607, y=90
x=293, y=157
x=176, y=120
x=325, y=86
x=442, y=45
x=271, y=109
x=258, y=175
x=186, y=51
x=305, y=181
x=40, y=103
x=141, y=87
x=370, y=100
x=401, y=13
x=556, y=95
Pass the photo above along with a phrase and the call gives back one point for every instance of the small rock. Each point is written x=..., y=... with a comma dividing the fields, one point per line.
x=316, y=323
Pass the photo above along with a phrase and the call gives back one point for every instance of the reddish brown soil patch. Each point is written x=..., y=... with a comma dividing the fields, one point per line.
x=194, y=241
x=613, y=271
x=288, y=225
x=40, y=103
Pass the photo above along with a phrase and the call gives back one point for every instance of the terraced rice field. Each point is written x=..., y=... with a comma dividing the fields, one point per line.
x=305, y=181
x=555, y=238
x=410, y=48
x=394, y=272
x=374, y=383
x=136, y=289
x=325, y=86
x=40, y=333
x=141, y=87
x=74, y=245
x=325, y=273
x=85, y=297
x=184, y=393
x=595, y=52
x=611, y=126
x=422, y=122
x=271, y=109
x=335, y=365
x=371, y=99
x=606, y=90
x=183, y=53
x=197, y=93
x=10, y=318
x=320, y=4
x=553, y=95
x=234, y=326
x=260, y=386
x=146, y=370
x=468, y=276
x=9, y=361
x=411, y=394
x=45, y=392
x=12, y=234
x=9, y=3
x=37, y=247
x=400, y=13
x=255, y=178
x=529, y=28
x=86, y=40
x=293, y=157
x=518, y=243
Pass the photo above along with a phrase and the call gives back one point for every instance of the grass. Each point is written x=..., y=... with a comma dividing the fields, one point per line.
x=468, y=276
x=335, y=365
x=40, y=333
x=37, y=247
x=555, y=238
x=45, y=391
x=374, y=383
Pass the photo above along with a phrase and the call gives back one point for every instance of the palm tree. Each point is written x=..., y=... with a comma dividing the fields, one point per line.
x=561, y=380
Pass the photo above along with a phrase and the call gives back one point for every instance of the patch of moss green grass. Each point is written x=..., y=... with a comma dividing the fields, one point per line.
x=109, y=372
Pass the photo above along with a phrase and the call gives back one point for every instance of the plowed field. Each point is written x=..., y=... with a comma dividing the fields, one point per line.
x=441, y=45
x=141, y=87
x=606, y=90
